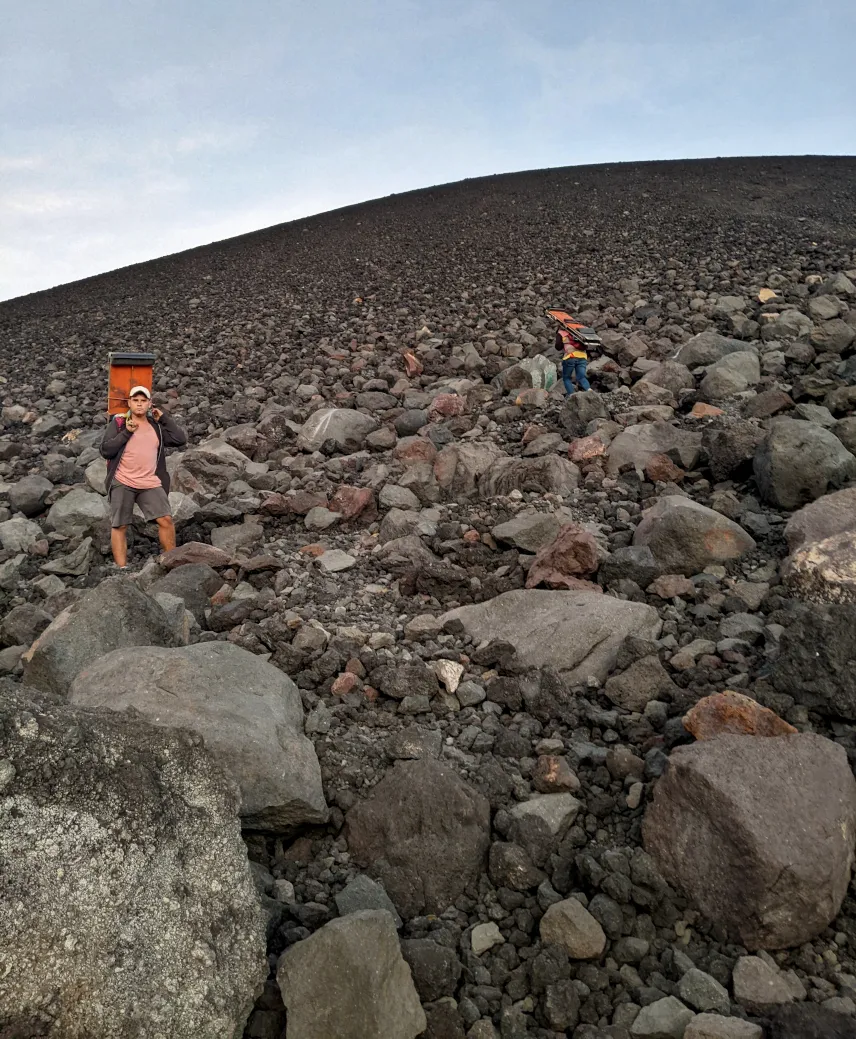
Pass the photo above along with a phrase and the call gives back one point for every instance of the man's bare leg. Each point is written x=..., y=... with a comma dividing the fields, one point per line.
x=119, y=544
x=166, y=533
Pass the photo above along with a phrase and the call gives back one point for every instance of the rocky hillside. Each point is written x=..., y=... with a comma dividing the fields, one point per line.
x=463, y=708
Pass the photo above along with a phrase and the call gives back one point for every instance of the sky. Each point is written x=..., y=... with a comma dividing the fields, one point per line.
x=135, y=129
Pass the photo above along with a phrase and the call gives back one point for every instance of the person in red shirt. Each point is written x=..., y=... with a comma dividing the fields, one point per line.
x=135, y=445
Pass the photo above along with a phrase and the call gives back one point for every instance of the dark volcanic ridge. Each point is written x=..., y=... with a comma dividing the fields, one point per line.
x=464, y=612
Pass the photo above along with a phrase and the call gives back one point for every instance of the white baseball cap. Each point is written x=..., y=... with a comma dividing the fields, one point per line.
x=139, y=389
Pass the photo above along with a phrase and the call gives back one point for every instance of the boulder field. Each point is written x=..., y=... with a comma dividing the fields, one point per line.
x=463, y=709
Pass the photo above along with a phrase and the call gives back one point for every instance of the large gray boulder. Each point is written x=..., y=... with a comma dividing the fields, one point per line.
x=636, y=445
x=574, y=632
x=824, y=571
x=708, y=347
x=733, y=374
x=457, y=468
x=349, y=981
x=581, y=408
x=685, y=536
x=832, y=514
x=18, y=534
x=79, y=512
x=347, y=429
x=194, y=584
x=798, y=462
x=424, y=833
x=672, y=376
x=248, y=712
x=30, y=494
x=128, y=903
x=758, y=833
x=548, y=475
x=529, y=531
x=112, y=616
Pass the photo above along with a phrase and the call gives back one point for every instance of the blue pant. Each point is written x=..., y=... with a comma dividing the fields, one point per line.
x=575, y=366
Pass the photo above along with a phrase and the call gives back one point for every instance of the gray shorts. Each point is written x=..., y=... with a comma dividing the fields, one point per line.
x=154, y=504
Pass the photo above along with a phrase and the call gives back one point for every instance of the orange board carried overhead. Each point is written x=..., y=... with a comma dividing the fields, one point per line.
x=564, y=318
x=584, y=335
x=126, y=371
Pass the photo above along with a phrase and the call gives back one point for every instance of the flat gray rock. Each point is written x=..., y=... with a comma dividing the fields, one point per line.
x=575, y=632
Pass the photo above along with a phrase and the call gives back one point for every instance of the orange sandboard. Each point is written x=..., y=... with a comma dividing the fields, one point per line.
x=127, y=371
x=564, y=318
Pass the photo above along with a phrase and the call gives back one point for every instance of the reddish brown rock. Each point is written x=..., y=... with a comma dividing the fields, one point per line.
x=275, y=504
x=412, y=364
x=413, y=450
x=670, y=586
x=301, y=502
x=769, y=402
x=702, y=410
x=344, y=684
x=585, y=448
x=472, y=536
x=258, y=564
x=532, y=432
x=731, y=712
x=757, y=833
x=561, y=563
x=661, y=469
x=194, y=552
x=446, y=405
x=315, y=550
x=353, y=502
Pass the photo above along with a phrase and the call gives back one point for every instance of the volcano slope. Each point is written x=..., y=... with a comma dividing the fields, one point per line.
x=497, y=603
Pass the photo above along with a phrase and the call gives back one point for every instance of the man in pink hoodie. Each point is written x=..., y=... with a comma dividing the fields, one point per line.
x=135, y=445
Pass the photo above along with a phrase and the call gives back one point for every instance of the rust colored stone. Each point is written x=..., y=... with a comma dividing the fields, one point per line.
x=275, y=504
x=352, y=502
x=670, y=586
x=412, y=364
x=560, y=564
x=315, y=550
x=733, y=713
x=702, y=410
x=445, y=405
x=370, y=694
x=344, y=684
x=661, y=469
x=532, y=432
x=222, y=595
x=413, y=450
x=472, y=536
x=585, y=448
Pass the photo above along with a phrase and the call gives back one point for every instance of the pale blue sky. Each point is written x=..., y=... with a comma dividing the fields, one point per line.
x=137, y=128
